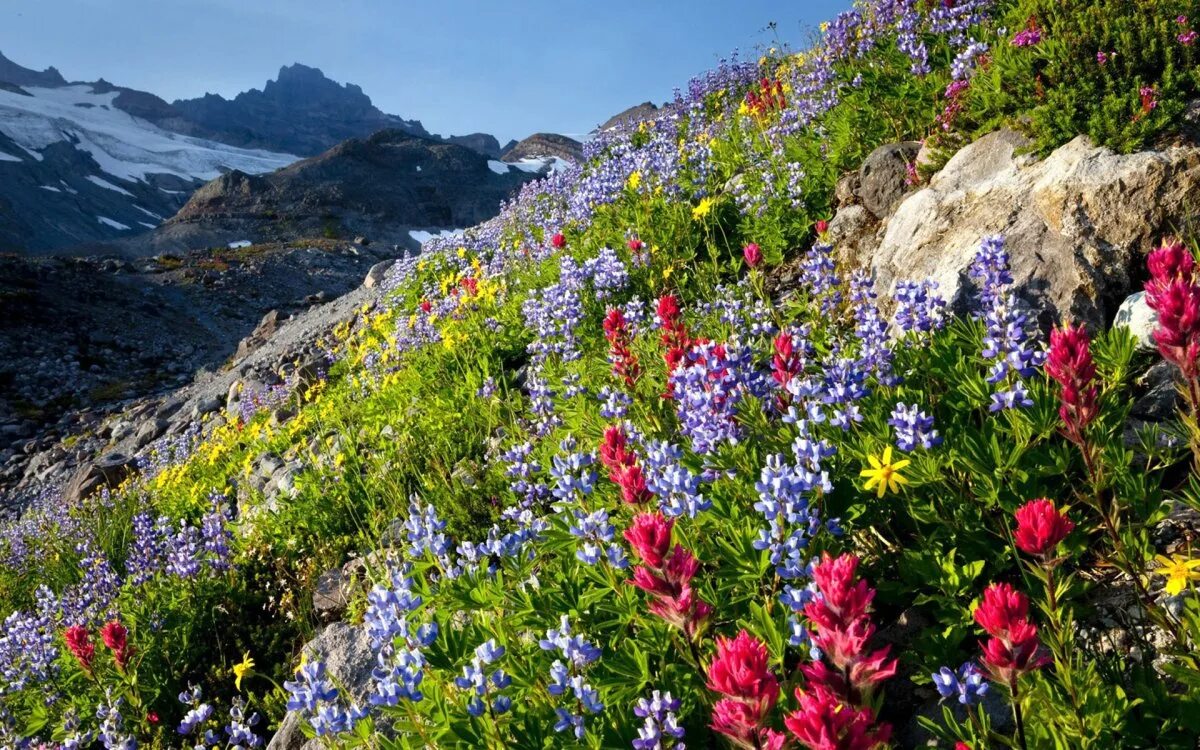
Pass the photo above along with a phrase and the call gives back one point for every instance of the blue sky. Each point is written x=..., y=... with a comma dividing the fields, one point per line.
x=509, y=68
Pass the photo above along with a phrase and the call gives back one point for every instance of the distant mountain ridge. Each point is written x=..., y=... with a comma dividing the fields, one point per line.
x=300, y=112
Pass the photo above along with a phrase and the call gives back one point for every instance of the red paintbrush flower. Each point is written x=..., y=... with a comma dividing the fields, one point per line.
x=1070, y=363
x=1040, y=527
x=650, y=537
x=116, y=639
x=825, y=722
x=79, y=643
x=558, y=241
x=752, y=254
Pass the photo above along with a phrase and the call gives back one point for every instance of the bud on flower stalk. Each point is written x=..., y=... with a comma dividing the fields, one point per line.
x=1070, y=363
x=752, y=254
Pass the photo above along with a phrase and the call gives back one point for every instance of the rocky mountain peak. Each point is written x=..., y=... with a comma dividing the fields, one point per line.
x=301, y=85
x=301, y=112
x=545, y=144
x=18, y=75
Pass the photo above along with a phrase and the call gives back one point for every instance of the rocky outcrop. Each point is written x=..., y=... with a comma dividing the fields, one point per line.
x=381, y=187
x=1076, y=223
x=300, y=112
x=631, y=116
x=545, y=144
x=480, y=143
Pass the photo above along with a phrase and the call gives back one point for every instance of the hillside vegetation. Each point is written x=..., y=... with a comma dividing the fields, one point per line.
x=595, y=477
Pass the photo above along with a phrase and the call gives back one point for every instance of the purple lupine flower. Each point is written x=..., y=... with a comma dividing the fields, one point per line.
x=90, y=601
x=660, y=729
x=315, y=698
x=966, y=59
x=240, y=729
x=677, y=488
x=184, y=551
x=487, y=390
x=614, y=402
x=147, y=551
x=396, y=641
x=875, y=353
x=918, y=307
x=567, y=679
x=596, y=534
x=969, y=685
x=607, y=272
x=913, y=427
x=819, y=276
x=28, y=651
x=198, y=712
x=707, y=388
x=572, y=472
x=1008, y=337
x=112, y=733
x=214, y=530
x=482, y=685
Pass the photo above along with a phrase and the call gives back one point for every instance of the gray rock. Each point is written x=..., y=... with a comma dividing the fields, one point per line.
x=378, y=273
x=846, y=190
x=882, y=176
x=1160, y=397
x=332, y=594
x=107, y=471
x=1136, y=315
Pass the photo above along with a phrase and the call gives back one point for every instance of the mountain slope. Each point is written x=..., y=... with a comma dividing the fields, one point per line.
x=76, y=167
x=383, y=187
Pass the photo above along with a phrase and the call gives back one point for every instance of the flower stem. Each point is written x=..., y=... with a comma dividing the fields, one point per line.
x=1016, y=707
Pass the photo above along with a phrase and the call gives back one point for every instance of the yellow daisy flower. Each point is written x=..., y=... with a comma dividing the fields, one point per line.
x=703, y=208
x=635, y=179
x=1179, y=572
x=242, y=669
x=884, y=474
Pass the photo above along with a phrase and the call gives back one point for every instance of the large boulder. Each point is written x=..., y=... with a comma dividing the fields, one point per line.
x=1076, y=223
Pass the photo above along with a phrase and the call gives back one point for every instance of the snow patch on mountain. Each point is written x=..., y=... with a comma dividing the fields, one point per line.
x=124, y=146
x=422, y=236
x=112, y=223
x=8, y=157
x=108, y=185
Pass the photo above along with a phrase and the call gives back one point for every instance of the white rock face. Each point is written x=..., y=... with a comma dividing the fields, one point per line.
x=1136, y=315
x=1076, y=223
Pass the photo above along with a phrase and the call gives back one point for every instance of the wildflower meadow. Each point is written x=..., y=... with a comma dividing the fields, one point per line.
x=594, y=476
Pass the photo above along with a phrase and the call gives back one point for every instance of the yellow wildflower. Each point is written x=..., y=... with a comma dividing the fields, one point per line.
x=743, y=108
x=1179, y=572
x=884, y=474
x=242, y=669
x=635, y=179
x=824, y=26
x=702, y=209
